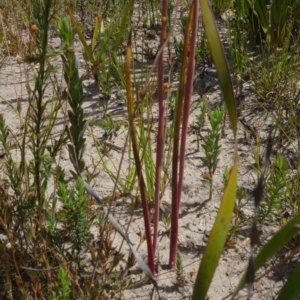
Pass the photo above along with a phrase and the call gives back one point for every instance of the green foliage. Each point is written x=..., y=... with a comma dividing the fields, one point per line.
x=179, y=269
x=109, y=126
x=221, y=225
x=64, y=284
x=270, y=21
x=291, y=289
x=49, y=237
x=278, y=240
x=108, y=34
x=152, y=16
x=275, y=191
x=75, y=94
x=220, y=6
x=149, y=166
x=75, y=218
x=211, y=145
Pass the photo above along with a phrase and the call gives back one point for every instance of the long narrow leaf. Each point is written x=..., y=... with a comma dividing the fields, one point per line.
x=95, y=32
x=291, y=289
x=219, y=61
x=81, y=37
x=217, y=238
x=220, y=229
x=272, y=247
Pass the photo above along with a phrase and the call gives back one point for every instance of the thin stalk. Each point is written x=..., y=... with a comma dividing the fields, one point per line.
x=188, y=96
x=133, y=134
x=161, y=123
x=178, y=113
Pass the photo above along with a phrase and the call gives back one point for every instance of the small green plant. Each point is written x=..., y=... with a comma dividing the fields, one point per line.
x=239, y=217
x=64, y=284
x=179, y=269
x=203, y=55
x=166, y=222
x=212, y=147
x=75, y=94
x=273, y=206
x=147, y=158
x=102, y=43
x=75, y=219
x=109, y=126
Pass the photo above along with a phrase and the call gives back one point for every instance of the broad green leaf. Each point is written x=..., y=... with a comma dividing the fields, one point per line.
x=217, y=238
x=291, y=289
x=273, y=246
x=219, y=61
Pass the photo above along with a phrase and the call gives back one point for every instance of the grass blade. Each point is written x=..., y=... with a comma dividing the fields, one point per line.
x=217, y=238
x=220, y=229
x=220, y=62
x=81, y=37
x=291, y=289
x=95, y=32
x=272, y=247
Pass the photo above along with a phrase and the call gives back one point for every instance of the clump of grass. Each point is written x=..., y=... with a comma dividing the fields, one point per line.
x=95, y=54
x=179, y=269
x=220, y=6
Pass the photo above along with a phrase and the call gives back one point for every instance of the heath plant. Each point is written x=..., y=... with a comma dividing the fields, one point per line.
x=211, y=146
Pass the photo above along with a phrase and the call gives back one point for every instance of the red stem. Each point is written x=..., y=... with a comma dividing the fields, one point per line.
x=188, y=96
x=141, y=181
x=177, y=181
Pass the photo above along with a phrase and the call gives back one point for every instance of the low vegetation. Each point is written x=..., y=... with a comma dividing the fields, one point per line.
x=57, y=231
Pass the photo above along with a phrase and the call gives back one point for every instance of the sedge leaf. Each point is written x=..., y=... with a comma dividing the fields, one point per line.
x=220, y=62
x=217, y=238
x=278, y=241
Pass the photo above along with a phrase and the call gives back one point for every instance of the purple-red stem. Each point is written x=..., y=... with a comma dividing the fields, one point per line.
x=161, y=123
x=141, y=181
x=188, y=96
x=177, y=184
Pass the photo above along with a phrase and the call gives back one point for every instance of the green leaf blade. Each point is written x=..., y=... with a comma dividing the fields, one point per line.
x=217, y=238
x=291, y=289
x=220, y=61
x=279, y=240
